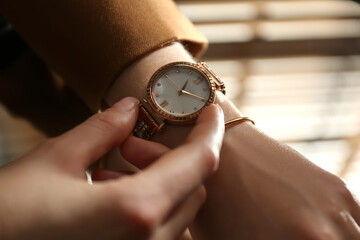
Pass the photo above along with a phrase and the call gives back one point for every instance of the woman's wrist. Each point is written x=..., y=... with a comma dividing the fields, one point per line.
x=133, y=80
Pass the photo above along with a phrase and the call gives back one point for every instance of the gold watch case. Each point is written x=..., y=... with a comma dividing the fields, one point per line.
x=201, y=68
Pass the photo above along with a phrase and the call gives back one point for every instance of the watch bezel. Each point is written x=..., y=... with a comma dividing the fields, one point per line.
x=168, y=116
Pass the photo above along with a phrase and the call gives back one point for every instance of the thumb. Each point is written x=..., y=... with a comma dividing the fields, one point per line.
x=102, y=132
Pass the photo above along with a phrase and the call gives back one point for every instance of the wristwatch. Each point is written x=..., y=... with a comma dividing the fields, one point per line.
x=176, y=94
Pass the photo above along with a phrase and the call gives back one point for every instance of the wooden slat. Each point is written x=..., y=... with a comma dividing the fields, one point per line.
x=255, y=49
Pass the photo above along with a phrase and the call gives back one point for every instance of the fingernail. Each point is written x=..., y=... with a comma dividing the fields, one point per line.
x=127, y=104
x=220, y=109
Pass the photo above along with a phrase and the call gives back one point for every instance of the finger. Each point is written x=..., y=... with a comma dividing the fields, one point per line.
x=186, y=235
x=356, y=216
x=101, y=174
x=211, y=119
x=180, y=171
x=142, y=153
x=355, y=229
x=87, y=142
x=182, y=217
x=355, y=210
x=350, y=228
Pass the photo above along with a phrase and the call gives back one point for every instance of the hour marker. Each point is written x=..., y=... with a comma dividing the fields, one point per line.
x=183, y=112
x=203, y=100
x=164, y=104
x=195, y=108
x=157, y=95
x=172, y=111
x=198, y=80
x=158, y=84
x=204, y=89
x=190, y=73
x=178, y=71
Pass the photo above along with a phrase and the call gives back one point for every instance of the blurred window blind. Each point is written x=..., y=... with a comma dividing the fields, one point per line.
x=293, y=66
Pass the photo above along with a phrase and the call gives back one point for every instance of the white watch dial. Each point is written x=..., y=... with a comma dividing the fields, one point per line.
x=181, y=91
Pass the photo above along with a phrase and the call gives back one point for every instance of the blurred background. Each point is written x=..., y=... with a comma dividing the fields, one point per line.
x=292, y=66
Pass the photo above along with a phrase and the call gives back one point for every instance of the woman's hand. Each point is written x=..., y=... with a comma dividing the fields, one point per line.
x=266, y=190
x=45, y=195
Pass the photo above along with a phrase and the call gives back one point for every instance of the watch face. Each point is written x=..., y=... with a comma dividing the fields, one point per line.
x=179, y=91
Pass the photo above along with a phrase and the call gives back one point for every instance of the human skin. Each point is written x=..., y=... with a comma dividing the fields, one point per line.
x=45, y=194
x=263, y=189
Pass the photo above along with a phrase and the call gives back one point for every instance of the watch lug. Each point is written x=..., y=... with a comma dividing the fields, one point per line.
x=220, y=85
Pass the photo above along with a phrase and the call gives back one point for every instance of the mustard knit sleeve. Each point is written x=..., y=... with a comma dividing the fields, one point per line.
x=89, y=43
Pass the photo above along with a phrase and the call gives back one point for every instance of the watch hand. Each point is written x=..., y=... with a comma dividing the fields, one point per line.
x=167, y=76
x=192, y=95
x=182, y=89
